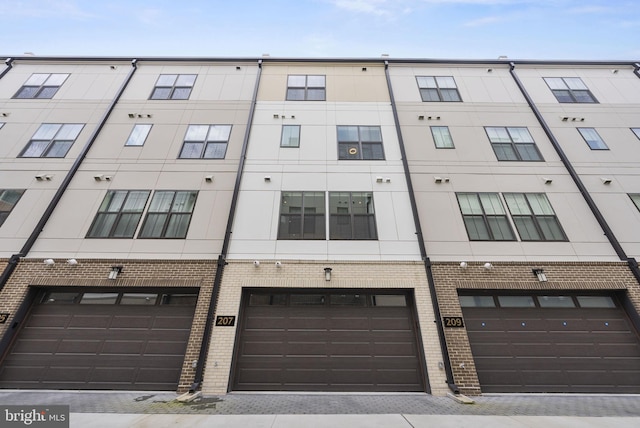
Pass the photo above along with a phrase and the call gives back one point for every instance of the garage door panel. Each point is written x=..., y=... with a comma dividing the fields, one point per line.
x=127, y=322
x=79, y=346
x=620, y=350
x=348, y=323
x=123, y=347
x=48, y=321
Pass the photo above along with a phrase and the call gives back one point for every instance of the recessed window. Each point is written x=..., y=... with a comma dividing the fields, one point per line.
x=534, y=217
x=477, y=302
x=389, y=300
x=348, y=299
x=593, y=139
x=119, y=214
x=306, y=299
x=290, y=136
x=516, y=301
x=173, y=87
x=596, y=302
x=351, y=216
x=138, y=135
x=205, y=142
x=302, y=215
x=52, y=140
x=485, y=217
x=634, y=130
x=513, y=144
x=556, y=302
x=306, y=87
x=442, y=137
x=570, y=90
x=41, y=85
x=360, y=142
x=438, y=88
x=8, y=199
x=169, y=215
x=99, y=299
x=636, y=200
x=147, y=299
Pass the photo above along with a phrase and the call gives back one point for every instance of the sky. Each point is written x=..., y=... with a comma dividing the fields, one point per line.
x=437, y=29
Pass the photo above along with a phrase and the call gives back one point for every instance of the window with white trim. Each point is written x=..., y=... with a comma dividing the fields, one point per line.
x=41, y=86
x=173, y=87
x=513, y=143
x=52, y=140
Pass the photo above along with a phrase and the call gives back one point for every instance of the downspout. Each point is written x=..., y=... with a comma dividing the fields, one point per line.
x=13, y=261
x=423, y=250
x=222, y=262
x=9, y=65
x=631, y=262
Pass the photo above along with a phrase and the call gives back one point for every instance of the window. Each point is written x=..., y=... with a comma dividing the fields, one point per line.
x=593, y=139
x=119, y=214
x=635, y=131
x=8, y=200
x=302, y=215
x=309, y=88
x=636, y=200
x=1, y=125
x=351, y=215
x=438, y=88
x=485, y=217
x=513, y=144
x=41, y=85
x=360, y=142
x=138, y=135
x=442, y=137
x=169, y=215
x=52, y=140
x=570, y=90
x=290, y=136
x=205, y=142
x=173, y=87
x=534, y=217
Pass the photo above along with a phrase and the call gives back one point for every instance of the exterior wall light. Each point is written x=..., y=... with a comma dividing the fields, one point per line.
x=540, y=274
x=488, y=266
x=49, y=262
x=327, y=274
x=72, y=262
x=463, y=265
x=115, y=270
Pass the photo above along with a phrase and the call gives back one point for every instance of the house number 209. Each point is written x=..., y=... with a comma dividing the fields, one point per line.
x=225, y=321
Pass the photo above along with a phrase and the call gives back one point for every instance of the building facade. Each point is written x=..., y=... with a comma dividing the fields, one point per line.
x=265, y=224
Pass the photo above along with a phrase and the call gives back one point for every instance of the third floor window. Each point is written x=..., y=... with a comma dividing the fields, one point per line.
x=173, y=87
x=306, y=87
x=438, y=88
x=40, y=85
x=570, y=90
x=513, y=144
x=360, y=142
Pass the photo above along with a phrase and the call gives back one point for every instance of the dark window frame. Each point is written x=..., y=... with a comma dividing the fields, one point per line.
x=427, y=92
x=636, y=132
x=514, y=145
x=206, y=142
x=282, y=137
x=174, y=90
x=351, y=219
x=302, y=217
x=41, y=91
x=170, y=215
x=598, y=144
x=635, y=198
x=138, y=138
x=492, y=222
x=306, y=89
x=536, y=219
x=570, y=95
x=435, y=140
x=7, y=206
x=119, y=214
x=53, y=142
x=349, y=145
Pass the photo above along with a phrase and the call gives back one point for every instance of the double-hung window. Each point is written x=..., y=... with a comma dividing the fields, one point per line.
x=119, y=214
x=169, y=214
x=290, y=136
x=485, y=217
x=8, y=199
x=205, y=142
x=438, y=88
x=570, y=90
x=302, y=87
x=593, y=139
x=360, y=142
x=513, y=144
x=351, y=216
x=534, y=217
x=302, y=215
x=173, y=87
x=52, y=140
x=41, y=85
x=442, y=137
x=138, y=135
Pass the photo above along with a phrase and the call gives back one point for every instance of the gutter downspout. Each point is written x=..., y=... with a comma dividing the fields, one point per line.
x=13, y=261
x=631, y=262
x=423, y=250
x=222, y=262
x=9, y=65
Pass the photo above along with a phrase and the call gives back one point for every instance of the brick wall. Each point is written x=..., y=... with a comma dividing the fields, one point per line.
x=136, y=273
x=449, y=278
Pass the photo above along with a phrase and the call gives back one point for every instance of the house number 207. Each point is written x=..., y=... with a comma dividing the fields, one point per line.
x=225, y=321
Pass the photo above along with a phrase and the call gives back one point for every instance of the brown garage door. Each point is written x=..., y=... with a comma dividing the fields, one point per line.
x=106, y=340
x=327, y=341
x=569, y=343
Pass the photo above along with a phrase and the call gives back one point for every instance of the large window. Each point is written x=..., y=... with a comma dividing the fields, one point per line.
x=52, y=140
x=205, y=142
x=513, y=144
x=306, y=87
x=173, y=87
x=442, y=137
x=360, y=142
x=438, y=88
x=290, y=136
x=8, y=199
x=351, y=216
x=485, y=217
x=302, y=215
x=534, y=217
x=570, y=90
x=169, y=215
x=593, y=139
x=138, y=135
x=119, y=214
x=41, y=85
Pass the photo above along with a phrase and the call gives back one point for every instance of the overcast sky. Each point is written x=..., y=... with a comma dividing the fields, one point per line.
x=441, y=29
